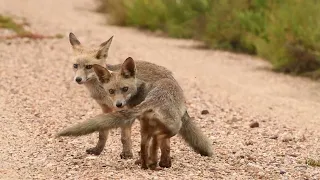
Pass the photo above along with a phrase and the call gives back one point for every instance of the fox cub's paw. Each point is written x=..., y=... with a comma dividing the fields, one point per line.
x=154, y=166
x=138, y=162
x=126, y=155
x=94, y=151
x=165, y=163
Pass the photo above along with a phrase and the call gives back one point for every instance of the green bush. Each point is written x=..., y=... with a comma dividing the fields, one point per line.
x=293, y=35
x=286, y=33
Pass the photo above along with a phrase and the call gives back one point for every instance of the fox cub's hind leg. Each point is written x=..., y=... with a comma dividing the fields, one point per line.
x=153, y=153
x=145, y=140
x=165, y=159
x=151, y=126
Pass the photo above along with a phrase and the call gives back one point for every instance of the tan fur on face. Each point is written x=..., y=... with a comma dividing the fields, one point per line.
x=83, y=56
x=83, y=60
x=115, y=82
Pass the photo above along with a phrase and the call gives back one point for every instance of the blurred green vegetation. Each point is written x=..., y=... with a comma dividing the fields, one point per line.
x=8, y=23
x=284, y=32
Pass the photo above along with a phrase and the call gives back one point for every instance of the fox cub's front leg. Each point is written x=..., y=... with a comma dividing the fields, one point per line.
x=103, y=135
x=126, y=142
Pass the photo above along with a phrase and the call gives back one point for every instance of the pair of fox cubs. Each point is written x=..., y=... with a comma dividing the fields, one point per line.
x=134, y=90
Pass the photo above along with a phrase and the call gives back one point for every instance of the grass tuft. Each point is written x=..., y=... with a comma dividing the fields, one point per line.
x=313, y=162
x=9, y=23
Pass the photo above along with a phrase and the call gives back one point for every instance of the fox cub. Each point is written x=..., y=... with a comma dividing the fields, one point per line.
x=160, y=107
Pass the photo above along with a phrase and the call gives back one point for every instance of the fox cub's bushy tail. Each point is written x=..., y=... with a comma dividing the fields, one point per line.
x=194, y=137
x=105, y=121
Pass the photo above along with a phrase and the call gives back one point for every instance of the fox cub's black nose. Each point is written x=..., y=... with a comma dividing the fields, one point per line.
x=78, y=79
x=119, y=104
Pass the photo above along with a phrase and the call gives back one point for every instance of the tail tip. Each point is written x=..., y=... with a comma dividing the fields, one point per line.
x=58, y=135
x=207, y=153
x=62, y=133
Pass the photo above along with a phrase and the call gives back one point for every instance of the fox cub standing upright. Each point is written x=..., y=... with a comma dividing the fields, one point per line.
x=83, y=59
x=160, y=107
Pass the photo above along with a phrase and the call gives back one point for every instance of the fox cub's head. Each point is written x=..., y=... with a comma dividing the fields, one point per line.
x=120, y=85
x=84, y=58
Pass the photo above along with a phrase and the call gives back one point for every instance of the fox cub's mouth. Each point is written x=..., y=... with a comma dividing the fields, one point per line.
x=120, y=108
x=82, y=81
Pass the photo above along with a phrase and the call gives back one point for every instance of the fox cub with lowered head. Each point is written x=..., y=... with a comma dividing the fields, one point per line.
x=160, y=107
x=83, y=59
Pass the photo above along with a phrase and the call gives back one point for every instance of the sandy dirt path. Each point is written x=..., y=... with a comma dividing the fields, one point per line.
x=38, y=98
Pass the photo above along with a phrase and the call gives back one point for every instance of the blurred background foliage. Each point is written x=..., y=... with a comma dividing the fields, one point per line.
x=284, y=32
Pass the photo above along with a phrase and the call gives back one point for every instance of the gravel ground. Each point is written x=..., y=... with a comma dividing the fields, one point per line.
x=38, y=98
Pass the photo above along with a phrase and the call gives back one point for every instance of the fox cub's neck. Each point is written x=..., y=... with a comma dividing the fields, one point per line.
x=142, y=91
x=96, y=90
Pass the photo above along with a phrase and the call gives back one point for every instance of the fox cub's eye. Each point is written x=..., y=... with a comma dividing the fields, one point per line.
x=88, y=66
x=75, y=66
x=125, y=89
x=111, y=91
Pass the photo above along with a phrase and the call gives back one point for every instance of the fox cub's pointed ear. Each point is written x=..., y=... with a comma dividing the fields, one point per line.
x=128, y=68
x=73, y=40
x=104, y=48
x=102, y=73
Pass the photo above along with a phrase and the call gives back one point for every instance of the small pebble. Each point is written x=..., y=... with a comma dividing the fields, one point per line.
x=204, y=112
x=282, y=172
x=248, y=143
x=260, y=174
x=251, y=158
x=255, y=166
x=274, y=136
x=91, y=157
x=286, y=137
x=254, y=124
